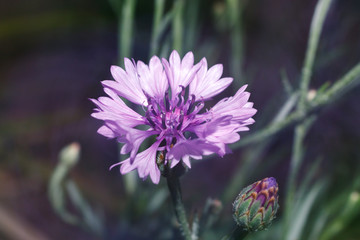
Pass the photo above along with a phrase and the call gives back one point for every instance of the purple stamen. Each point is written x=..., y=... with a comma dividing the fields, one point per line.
x=181, y=120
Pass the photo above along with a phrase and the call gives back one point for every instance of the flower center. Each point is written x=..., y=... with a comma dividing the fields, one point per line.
x=172, y=117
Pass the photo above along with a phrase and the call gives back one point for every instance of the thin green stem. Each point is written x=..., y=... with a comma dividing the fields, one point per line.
x=340, y=88
x=321, y=10
x=295, y=164
x=350, y=80
x=286, y=82
x=125, y=31
x=125, y=15
x=235, y=9
x=158, y=15
x=301, y=129
x=178, y=27
x=175, y=191
x=297, y=151
x=269, y=130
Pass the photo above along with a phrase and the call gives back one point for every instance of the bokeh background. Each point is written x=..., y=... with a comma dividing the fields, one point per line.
x=53, y=55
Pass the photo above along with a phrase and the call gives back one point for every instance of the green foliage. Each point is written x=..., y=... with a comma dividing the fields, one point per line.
x=62, y=187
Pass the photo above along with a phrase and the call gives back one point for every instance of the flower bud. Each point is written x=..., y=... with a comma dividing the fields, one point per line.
x=70, y=154
x=256, y=205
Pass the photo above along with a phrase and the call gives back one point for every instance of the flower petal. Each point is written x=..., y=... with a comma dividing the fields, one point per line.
x=237, y=106
x=106, y=131
x=153, y=78
x=112, y=129
x=134, y=138
x=184, y=149
x=219, y=132
x=180, y=73
x=127, y=83
x=116, y=110
x=145, y=162
x=207, y=83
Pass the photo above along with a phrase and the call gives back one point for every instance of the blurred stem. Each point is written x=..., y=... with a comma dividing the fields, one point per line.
x=90, y=220
x=235, y=9
x=210, y=214
x=295, y=164
x=317, y=23
x=57, y=195
x=68, y=158
x=178, y=27
x=350, y=80
x=342, y=86
x=175, y=192
x=296, y=157
x=158, y=15
x=349, y=210
x=125, y=13
x=195, y=227
x=86, y=217
x=301, y=129
x=125, y=29
x=286, y=83
x=191, y=25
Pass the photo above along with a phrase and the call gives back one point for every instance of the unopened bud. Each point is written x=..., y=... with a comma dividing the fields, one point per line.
x=256, y=205
x=69, y=155
x=311, y=94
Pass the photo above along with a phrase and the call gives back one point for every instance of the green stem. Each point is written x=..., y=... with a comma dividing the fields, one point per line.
x=295, y=164
x=158, y=15
x=125, y=16
x=349, y=81
x=301, y=129
x=269, y=130
x=178, y=27
x=297, y=153
x=235, y=8
x=321, y=10
x=125, y=29
x=175, y=191
x=340, y=88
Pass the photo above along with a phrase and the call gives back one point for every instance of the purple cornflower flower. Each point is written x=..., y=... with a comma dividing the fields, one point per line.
x=172, y=94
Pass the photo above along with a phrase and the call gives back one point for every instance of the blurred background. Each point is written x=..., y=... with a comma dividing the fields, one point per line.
x=55, y=53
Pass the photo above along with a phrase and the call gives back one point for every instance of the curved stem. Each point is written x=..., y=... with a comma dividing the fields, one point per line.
x=175, y=191
x=317, y=23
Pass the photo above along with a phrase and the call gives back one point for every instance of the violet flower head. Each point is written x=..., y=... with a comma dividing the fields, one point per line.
x=172, y=95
